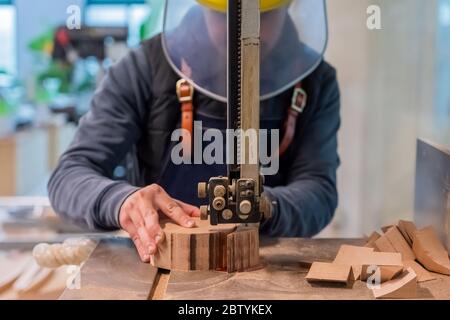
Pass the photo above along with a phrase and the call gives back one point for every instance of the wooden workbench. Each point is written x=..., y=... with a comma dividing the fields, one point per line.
x=115, y=272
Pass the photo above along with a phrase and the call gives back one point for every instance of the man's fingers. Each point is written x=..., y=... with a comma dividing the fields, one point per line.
x=171, y=209
x=190, y=210
x=154, y=230
x=143, y=253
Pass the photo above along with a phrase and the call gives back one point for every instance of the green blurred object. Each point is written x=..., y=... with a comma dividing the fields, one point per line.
x=55, y=70
x=5, y=108
x=43, y=43
x=153, y=23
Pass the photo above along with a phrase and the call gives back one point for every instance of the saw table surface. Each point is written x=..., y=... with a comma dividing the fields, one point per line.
x=114, y=271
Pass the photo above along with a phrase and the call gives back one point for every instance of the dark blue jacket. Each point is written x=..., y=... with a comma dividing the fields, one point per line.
x=134, y=112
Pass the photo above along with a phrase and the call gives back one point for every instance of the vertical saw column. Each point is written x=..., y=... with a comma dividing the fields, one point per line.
x=250, y=46
x=238, y=197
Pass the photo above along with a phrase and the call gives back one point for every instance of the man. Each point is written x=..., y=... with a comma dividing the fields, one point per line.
x=136, y=109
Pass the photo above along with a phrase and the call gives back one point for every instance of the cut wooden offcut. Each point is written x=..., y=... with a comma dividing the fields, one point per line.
x=242, y=249
x=359, y=256
x=430, y=252
x=371, y=239
x=386, y=272
x=386, y=228
x=330, y=272
x=206, y=247
x=393, y=241
x=422, y=274
x=407, y=228
x=403, y=287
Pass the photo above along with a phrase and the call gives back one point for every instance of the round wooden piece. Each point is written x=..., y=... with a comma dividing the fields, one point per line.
x=207, y=247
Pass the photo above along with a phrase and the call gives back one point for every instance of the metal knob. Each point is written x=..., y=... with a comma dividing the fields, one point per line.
x=202, y=190
x=218, y=203
x=220, y=191
x=227, y=214
x=204, y=212
x=245, y=207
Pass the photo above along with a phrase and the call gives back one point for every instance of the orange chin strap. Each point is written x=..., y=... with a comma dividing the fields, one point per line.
x=185, y=93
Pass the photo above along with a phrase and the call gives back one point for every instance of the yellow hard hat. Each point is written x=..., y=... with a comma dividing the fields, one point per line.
x=221, y=5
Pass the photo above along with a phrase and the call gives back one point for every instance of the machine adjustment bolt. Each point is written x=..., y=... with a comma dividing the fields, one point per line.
x=220, y=191
x=227, y=214
x=204, y=212
x=218, y=203
x=245, y=207
x=202, y=189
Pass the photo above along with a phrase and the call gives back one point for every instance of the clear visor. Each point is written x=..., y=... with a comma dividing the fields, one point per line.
x=293, y=40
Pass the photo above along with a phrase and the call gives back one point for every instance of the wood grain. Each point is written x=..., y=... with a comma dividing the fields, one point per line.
x=404, y=287
x=114, y=272
x=206, y=247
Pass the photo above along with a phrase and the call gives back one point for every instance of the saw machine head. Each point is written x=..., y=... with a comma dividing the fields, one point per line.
x=238, y=197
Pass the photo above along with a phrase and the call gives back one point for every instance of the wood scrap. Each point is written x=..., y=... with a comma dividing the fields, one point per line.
x=386, y=272
x=407, y=228
x=205, y=247
x=422, y=274
x=430, y=252
x=382, y=244
x=393, y=241
x=386, y=228
x=346, y=256
x=371, y=239
x=359, y=256
x=404, y=287
x=330, y=272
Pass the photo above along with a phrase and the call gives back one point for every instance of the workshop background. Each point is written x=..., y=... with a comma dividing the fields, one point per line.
x=394, y=84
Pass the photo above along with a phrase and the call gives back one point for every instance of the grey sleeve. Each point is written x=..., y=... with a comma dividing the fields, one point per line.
x=81, y=187
x=308, y=201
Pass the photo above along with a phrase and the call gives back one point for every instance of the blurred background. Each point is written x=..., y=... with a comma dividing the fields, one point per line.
x=395, y=86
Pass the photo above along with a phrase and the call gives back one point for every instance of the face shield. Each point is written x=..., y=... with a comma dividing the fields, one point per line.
x=293, y=40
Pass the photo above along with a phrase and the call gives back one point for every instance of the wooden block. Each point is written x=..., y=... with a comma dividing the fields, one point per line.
x=223, y=247
x=407, y=228
x=346, y=256
x=422, y=274
x=359, y=256
x=371, y=239
x=330, y=272
x=386, y=272
x=404, y=287
x=430, y=252
x=242, y=249
x=386, y=228
x=394, y=236
x=383, y=244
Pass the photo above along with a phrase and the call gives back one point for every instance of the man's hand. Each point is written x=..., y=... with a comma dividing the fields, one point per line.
x=139, y=216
